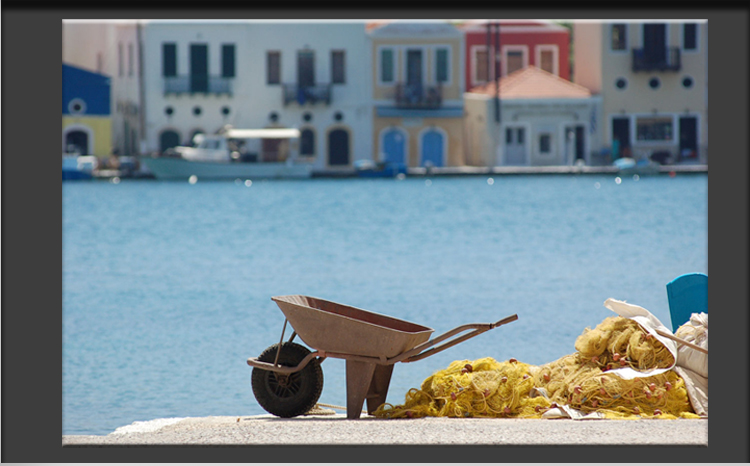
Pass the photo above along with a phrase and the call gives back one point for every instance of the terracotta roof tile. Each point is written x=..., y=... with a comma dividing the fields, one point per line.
x=534, y=83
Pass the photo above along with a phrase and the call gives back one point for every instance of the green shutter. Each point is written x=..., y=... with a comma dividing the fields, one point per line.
x=227, y=61
x=442, y=65
x=386, y=65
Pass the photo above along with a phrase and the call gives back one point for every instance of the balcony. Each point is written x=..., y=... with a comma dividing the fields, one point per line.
x=657, y=60
x=307, y=94
x=197, y=84
x=418, y=96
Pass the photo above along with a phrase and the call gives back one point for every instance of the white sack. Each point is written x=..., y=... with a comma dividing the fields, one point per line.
x=694, y=331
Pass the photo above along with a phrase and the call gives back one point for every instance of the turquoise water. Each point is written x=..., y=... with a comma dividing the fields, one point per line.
x=167, y=286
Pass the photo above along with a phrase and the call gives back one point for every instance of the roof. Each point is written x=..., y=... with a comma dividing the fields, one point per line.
x=512, y=25
x=412, y=28
x=534, y=83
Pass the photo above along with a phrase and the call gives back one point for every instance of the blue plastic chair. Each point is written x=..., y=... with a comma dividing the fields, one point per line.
x=687, y=294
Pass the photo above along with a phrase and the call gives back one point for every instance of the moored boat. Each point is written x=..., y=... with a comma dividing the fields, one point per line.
x=234, y=154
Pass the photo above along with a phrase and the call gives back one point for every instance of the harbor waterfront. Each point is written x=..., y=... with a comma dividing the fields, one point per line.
x=167, y=285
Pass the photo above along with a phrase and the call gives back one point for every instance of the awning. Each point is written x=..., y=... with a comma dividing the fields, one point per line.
x=266, y=133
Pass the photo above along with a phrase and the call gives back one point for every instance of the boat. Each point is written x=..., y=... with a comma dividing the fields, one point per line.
x=78, y=167
x=369, y=169
x=234, y=154
x=628, y=166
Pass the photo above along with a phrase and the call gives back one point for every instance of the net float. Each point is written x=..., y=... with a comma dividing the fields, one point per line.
x=546, y=377
x=526, y=376
x=657, y=412
x=512, y=360
x=595, y=403
x=453, y=396
x=636, y=410
x=616, y=357
x=595, y=359
x=668, y=386
x=623, y=362
x=506, y=410
x=504, y=379
x=577, y=389
x=602, y=391
x=469, y=367
x=652, y=387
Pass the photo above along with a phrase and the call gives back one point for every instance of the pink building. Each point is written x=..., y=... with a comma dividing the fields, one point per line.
x=522, y=43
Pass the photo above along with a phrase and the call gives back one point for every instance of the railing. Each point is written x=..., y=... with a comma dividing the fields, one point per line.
x=197, y=84
x=418, y=96
x=647, y=60
x=307, y=94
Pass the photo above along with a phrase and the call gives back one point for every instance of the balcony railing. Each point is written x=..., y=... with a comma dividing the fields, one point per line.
x=647, y=60
x=418, y=96
x=197, y=84
x=307, y=94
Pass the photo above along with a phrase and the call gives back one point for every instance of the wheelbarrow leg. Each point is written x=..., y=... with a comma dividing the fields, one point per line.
x=381, y=379
x=358, y=379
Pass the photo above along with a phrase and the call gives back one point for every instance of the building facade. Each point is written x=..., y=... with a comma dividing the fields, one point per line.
x=543, y=44
x=86, y=120
x=417, y=81
x=539, y=119
x=111, y=48
x=653, y=79
x=311, y=75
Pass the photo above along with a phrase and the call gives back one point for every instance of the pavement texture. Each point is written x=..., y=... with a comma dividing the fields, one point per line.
x=337, y=430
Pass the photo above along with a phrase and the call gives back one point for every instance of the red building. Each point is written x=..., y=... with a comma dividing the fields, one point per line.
x=543, y=44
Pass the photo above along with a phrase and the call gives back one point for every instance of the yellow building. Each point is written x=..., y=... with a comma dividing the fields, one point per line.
x=417, y=93
x=86, y=118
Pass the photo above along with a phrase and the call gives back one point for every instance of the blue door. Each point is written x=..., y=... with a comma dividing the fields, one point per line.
x=432, y=149
x=394, y=145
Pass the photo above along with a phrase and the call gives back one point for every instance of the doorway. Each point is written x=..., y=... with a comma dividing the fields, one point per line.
x=688, y=138
x=655, y=43
x=575, y=144
x=620, y=137
x=305, y=68
x=394, y=147
x=433, y=149
x=198, y=68
x=515, y=146
x=338, y=147
x=77, y=142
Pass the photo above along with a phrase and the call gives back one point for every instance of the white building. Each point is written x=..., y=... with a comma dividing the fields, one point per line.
x=310, y=75
x=542, y=119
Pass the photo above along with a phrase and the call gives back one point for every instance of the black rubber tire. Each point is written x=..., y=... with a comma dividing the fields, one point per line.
x=295, y=396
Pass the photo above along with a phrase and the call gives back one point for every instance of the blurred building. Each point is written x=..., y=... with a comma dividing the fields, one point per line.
x=538, y=119
x=312, y=75
x=417, y=82
x=653, y=79
x=86, y=120
x=110, y=48
x=542, y=44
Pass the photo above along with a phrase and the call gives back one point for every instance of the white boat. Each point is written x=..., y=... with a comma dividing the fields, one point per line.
x=234, y=154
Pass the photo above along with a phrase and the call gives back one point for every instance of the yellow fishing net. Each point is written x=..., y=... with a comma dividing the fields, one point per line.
x=488, y=388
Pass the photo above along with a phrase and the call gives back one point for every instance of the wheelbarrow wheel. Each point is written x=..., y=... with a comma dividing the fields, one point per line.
x=288, y=395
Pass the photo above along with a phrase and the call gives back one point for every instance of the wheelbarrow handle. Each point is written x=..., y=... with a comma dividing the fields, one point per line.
x=418, y=352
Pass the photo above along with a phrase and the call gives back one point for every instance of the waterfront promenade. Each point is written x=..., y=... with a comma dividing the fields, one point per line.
x=337, y=430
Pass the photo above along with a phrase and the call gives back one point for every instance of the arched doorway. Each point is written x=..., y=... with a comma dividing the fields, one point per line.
x=433, y=148
x=338, y=147
x=307, y=143
x=77, y=141
x=168, y=139
x=394, y=146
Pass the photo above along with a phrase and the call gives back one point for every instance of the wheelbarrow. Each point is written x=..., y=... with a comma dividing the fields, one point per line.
x=287, y=379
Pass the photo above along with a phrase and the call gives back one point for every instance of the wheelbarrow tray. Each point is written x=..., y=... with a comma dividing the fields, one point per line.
x=338, y=328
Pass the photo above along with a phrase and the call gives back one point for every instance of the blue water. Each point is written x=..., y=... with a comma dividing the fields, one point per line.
x=167, y=286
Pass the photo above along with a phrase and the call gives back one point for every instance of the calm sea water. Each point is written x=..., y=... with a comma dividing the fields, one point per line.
x=167, y=285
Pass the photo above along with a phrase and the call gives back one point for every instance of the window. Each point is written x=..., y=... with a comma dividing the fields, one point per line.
x=227, y=61
x=130, y=59
x=513, y=61
x=338, y=66
x=441, y=65
x=169, y=60
x=547, y=62
x=273, y=67
x=544, y=143
x=508, y=135
x=386, y=65
x=621, y=83
x=481, y=67
x=119, y=59
x=687, y=82
x=307, y=143
x=690, y=36
x=659, y=129
x=619, y=37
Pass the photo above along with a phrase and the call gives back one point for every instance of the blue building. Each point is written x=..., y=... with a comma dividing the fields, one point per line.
x=86, y=113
